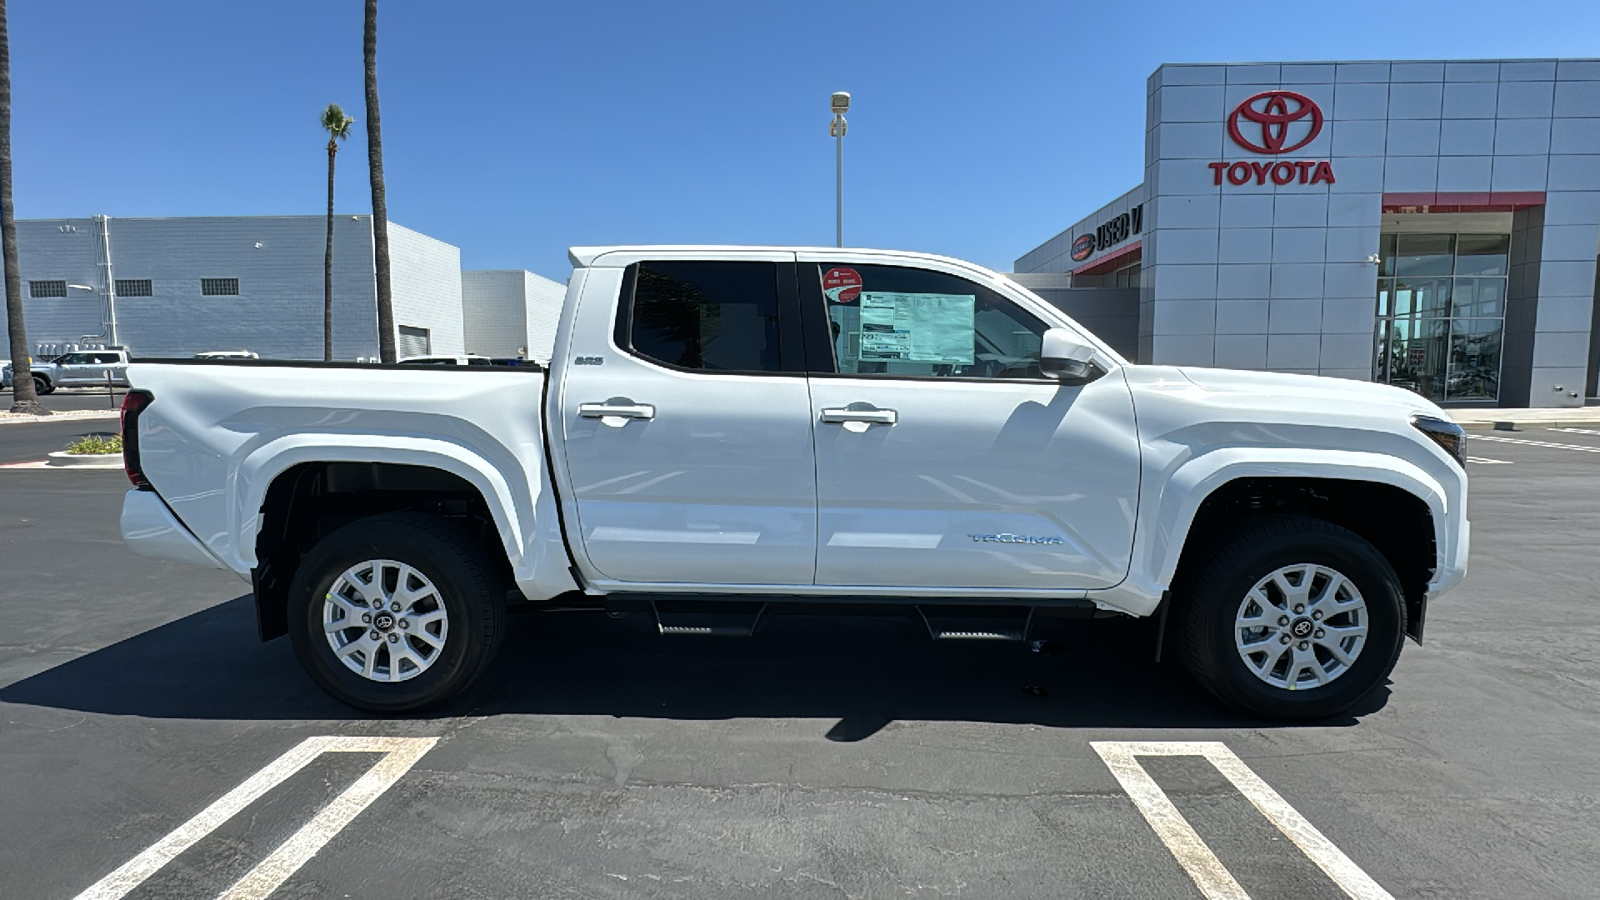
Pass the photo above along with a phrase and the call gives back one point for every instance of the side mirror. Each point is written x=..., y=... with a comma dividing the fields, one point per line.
x=1067, y=359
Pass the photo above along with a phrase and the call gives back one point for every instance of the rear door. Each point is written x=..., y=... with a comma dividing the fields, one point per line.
x=945, y=459
x=686, y=423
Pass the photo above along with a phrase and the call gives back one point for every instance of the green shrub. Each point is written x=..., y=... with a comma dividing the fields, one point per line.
x=96, y=444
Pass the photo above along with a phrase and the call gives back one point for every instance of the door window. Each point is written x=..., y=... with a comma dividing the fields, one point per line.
x=712, y=316
x=915, y=323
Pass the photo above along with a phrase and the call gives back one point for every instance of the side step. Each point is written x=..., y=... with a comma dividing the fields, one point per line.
x=718, y=618
x=977, y=623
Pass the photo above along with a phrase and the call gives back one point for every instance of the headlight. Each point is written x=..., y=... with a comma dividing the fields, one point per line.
x=1446, y=434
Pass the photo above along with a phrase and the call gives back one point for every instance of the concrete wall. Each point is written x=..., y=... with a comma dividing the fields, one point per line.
x=278, y=261
x=425, y=280
x=494, y=311
x=1111, y=314
x=508, y=309
x=544, y=299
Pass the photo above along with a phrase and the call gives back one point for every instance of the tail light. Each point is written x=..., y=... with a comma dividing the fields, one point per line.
x=133, y=403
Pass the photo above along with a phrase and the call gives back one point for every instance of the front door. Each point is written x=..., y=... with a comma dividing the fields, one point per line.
x=688, y=425
x=78, y=368
x=945, y=458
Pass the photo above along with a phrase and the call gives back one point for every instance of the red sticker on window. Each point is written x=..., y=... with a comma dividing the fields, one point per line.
x=842, y=284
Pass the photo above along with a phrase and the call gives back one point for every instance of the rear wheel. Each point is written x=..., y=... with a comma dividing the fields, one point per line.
x=42, y=385
x=1294, y=618
x=396, y=612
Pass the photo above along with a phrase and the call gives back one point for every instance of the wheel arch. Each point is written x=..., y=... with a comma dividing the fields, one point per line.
x=1397, y=508
x=287, y=501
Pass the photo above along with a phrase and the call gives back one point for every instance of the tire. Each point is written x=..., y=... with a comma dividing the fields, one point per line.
x=42, y=385
x=1250, y=666
x=437, y=656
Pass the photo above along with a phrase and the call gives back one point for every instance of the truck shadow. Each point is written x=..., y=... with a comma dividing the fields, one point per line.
x=865, y=672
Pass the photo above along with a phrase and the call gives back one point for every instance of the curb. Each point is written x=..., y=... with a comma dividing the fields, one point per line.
x=61, y=459
x=74, y=415
x=1521, y=424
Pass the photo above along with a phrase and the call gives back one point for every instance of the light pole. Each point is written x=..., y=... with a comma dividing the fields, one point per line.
x=841, y=105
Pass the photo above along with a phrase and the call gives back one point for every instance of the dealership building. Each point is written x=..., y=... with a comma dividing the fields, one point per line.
x=180, y=286
x=1432, y=225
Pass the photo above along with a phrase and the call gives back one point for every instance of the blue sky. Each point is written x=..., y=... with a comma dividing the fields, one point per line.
x=516, y=129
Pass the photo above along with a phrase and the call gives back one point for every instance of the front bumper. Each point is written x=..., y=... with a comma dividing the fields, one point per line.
x=150, y=529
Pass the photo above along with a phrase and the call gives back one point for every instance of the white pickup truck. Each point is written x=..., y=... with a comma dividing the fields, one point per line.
x=83, y=368
x=725, y=430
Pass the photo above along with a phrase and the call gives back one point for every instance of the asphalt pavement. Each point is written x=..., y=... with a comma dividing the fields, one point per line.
x=825, y=757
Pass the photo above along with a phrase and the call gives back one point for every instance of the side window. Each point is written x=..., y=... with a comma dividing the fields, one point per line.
x=706, y=315
x=916, y=323
x=73, y=359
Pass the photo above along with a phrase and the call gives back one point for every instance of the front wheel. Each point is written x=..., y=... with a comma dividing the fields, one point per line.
x=1294, y=618
x=395, y=612
x=42, y=385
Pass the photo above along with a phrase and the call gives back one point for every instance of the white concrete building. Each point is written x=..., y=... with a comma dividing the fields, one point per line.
x=185, y=285
x=510, y=312
x=1433, y=225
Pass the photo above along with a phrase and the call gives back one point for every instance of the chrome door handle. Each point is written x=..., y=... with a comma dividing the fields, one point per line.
x=868, y=416
x=607, y=410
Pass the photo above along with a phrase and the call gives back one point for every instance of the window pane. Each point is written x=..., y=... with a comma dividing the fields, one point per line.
x=718, y=316
x=1386, y=255
x=915, y=323
x=1385, y=296
x=1474, y=360
x=1422, y=296
x=1380, y=359
x=1425, y=254
x=1482, y=254
x=1479, y=297
x=1416, y=356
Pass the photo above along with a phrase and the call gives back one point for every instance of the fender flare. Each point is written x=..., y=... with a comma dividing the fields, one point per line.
x=256, y=472
x=1157, y=550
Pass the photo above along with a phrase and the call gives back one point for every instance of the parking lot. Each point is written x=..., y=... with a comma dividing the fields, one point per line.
x=151, y=747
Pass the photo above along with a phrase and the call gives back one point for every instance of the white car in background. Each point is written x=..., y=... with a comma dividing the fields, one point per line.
x=466, y=359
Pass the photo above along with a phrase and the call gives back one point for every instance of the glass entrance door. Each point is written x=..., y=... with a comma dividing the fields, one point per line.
x=1441, y=314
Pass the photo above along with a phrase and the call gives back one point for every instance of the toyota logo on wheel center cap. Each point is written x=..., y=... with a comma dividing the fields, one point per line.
x=1275, y=113
x=1301, y=628
x=384, y=621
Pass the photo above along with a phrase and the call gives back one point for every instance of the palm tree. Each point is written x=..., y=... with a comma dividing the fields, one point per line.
x=380, y=208
x=23, y=397
x=337, y=125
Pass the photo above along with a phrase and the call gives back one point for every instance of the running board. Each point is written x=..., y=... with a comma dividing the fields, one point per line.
x=725, y=618
x=977, y=623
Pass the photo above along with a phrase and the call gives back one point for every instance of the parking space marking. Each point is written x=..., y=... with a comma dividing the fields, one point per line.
x=1506, y=440
x=400, y=754
x=1488, y=462
x=1209, y=875
x=1577, y=430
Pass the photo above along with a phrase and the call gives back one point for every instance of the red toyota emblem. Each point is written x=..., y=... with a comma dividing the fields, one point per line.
x=1276, y=112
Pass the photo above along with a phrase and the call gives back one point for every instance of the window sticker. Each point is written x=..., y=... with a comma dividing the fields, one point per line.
x=841, y=284
x=929, y=328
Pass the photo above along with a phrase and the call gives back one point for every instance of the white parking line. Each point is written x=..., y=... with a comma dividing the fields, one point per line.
x=400, y=754
x=1506, y=440
x=1209, y=875
x=1488, y=462
x=1577, y=430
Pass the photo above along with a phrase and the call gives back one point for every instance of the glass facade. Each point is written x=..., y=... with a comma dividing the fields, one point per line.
x=1441, y=314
